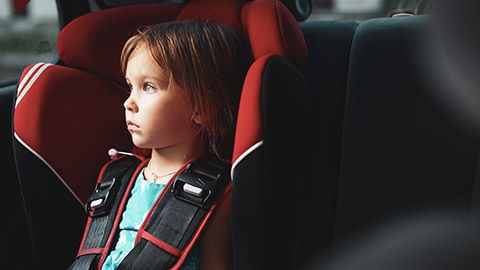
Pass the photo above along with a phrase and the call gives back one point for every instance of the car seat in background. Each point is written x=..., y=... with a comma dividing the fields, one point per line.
x=67, y=115
x=328, y=43
x=402, y=151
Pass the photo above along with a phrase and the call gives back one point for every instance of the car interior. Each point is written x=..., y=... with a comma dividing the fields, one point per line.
x=340, y=130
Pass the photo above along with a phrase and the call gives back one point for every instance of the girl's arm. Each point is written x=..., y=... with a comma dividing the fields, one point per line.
x=216, y=242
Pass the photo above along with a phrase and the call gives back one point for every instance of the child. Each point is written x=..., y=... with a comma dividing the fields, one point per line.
x=185, y=78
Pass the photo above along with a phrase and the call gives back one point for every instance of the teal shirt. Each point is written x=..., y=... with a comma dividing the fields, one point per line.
x=143, y=196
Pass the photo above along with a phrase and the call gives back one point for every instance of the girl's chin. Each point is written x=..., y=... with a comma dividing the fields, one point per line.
x=140, y=143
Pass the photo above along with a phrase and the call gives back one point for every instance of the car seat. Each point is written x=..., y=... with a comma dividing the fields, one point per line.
x=403, y=150
x=67, y=115
x=329, y=43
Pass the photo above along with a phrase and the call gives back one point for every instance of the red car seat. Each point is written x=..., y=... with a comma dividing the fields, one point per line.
x=67, y=115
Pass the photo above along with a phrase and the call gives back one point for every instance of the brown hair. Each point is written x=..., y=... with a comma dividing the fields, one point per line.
x=208, y=61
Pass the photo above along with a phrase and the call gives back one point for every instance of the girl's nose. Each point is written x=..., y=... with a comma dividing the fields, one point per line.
x=130, y=104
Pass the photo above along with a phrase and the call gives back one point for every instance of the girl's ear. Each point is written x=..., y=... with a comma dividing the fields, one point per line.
x=197, y=118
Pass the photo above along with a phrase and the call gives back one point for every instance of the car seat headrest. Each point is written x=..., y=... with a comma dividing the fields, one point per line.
x=272, y=29
x=93, y=42
x=225, y=12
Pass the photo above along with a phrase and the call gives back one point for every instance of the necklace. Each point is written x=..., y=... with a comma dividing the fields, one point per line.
x=156, y=176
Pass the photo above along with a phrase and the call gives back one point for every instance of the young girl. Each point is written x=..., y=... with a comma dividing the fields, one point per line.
x=184, y=78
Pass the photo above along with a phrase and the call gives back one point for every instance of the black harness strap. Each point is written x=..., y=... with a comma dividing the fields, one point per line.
x=102, y=207
x=177, y=216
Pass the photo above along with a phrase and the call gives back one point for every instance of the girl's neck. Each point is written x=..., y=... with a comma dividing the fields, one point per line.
x=167, y=160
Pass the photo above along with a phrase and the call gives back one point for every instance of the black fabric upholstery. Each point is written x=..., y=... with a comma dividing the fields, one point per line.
x=8, y=163
x=246, y=236
x=401, y=150
x=284, y=115
x=15, y=246
x=328, y=44
x=423, y=241
x=63, y=214
x=267, y=183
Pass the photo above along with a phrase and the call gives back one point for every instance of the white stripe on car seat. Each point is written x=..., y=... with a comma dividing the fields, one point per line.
x=243, y=155
x=32, y=81
x=27, y=76
x=48, y=165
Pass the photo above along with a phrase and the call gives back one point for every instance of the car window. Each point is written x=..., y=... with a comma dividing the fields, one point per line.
x=26, y=37
x=361, y=10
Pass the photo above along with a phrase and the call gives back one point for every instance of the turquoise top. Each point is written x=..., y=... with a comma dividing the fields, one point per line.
x=143, y=196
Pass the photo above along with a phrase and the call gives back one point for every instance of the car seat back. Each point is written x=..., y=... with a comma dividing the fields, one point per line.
x=329, y=44
x=402, y=150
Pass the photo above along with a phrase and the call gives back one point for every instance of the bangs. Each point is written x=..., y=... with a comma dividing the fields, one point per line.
x=145, y=38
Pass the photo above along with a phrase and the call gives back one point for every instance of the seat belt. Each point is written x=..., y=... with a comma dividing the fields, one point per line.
x=174, y=222
x=102, y=207
x=183, y=208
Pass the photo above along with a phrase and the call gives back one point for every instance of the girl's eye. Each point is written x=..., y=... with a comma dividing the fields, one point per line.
x=149, y=88
x=130, y=88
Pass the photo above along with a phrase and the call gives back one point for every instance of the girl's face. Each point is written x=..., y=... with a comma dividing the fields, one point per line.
x=157, y=115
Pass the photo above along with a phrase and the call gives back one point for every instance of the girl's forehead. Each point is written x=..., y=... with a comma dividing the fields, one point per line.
x=140, y=52
x=141, y=61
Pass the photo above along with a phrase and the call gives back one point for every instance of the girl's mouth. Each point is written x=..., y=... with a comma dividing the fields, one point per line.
x=132, y=126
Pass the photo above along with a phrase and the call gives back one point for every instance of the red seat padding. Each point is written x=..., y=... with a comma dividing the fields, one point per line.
x=271, y=29
x=249, y=121
x=225, y=12
x=93, y=42
x=69, y=123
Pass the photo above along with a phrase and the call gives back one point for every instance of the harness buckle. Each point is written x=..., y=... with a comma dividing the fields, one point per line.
x=199, y=180
x=190, y=188
x=101, y=201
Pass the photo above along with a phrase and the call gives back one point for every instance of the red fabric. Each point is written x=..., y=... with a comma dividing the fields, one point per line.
x=90, y=251
x=27, y=76
x=272, y=29
x=219, y=11
x=159, y=243
x=20, y=4
x=249, y=122
x=93, y=42
x=72, y=124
